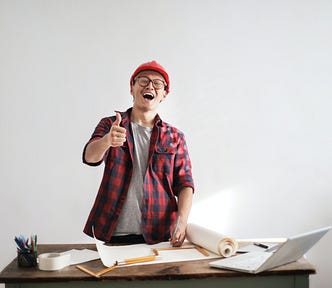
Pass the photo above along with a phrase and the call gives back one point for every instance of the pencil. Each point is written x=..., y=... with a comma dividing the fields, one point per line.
x=128, y=262
x=102, y=272
x=202, y=250
x=87, y=271
x=136, y=260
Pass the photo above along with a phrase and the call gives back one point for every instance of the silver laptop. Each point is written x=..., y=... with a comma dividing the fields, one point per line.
x=291, y=250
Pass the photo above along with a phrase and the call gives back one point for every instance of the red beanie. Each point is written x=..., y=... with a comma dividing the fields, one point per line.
x=154, y=66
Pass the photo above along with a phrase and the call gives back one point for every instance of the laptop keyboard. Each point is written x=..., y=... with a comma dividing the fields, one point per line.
x=248, y=261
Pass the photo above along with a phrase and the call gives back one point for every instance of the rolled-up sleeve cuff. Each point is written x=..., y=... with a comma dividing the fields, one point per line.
x=89, y=163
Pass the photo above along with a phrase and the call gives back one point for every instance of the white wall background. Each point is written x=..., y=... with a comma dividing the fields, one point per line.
x=251, y=89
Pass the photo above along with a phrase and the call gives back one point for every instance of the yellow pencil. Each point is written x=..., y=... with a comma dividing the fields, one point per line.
x=136, y=260
x=102, y=272
x=87, y=271
x=202, y=250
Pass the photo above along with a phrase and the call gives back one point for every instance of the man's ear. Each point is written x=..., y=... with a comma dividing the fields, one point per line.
x=164, y=96
x=131, y=89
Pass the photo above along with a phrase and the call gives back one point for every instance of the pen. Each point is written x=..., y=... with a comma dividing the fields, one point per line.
x=176, y=228
x=261, y=245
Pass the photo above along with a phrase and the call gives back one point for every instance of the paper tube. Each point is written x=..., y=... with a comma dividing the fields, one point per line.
x=211, y=240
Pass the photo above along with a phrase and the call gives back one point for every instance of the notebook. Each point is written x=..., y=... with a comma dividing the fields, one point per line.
x=291, y=250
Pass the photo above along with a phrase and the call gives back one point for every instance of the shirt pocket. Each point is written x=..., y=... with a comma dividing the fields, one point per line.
x=165, y=150
x=163, y=160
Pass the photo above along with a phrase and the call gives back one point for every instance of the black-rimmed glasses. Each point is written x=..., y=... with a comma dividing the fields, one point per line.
x=144, y=81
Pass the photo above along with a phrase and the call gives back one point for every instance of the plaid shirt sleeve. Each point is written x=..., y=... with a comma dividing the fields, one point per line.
x=113, y=187
x=182, y=168
x=100, y=131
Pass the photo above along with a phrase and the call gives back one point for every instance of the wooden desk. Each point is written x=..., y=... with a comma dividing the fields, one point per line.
x=191, y=274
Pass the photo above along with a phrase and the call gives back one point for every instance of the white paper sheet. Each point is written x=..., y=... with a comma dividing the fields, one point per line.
x=110, y=254
x=217, y=244
x=80, y=256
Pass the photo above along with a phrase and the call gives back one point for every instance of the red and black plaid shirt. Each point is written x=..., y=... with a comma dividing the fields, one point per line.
x=168, y=171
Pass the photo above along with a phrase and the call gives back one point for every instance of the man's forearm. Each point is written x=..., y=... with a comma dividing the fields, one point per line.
x=185, y=203
x=96, y=150
x=178, y=232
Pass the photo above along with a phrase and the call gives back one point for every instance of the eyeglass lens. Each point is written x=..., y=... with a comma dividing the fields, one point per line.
x=145, y=81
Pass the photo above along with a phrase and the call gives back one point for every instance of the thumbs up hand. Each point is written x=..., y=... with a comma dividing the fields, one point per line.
x=117, y=133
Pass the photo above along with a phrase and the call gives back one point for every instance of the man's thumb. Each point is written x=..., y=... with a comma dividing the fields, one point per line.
x=118, y=119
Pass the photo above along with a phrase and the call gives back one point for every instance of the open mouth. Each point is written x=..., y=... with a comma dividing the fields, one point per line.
x=148, y=96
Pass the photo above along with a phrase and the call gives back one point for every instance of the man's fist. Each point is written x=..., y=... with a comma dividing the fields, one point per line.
x=117, y=133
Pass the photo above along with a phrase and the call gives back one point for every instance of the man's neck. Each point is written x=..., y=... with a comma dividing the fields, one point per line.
x=145, y=119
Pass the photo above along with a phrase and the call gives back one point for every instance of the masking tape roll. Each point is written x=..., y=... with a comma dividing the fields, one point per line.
x=53, y=261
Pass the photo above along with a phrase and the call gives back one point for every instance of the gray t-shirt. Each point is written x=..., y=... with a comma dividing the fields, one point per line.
x=130, y=218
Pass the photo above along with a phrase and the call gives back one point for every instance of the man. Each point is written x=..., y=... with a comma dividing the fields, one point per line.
x=147, y=187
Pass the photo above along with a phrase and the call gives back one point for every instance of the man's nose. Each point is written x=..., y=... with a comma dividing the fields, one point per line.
x=150, y=85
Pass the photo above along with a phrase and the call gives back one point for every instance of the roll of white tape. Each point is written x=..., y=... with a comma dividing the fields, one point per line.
x=53, y=261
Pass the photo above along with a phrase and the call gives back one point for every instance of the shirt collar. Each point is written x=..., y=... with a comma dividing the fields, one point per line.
x=126, y=118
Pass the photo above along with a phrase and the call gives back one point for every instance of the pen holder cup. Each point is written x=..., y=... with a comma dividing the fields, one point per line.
x=26, y=259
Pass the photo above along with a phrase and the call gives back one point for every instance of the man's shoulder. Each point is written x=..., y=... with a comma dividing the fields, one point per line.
x=169, y=128
x=111, y=118
x=107, y=120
